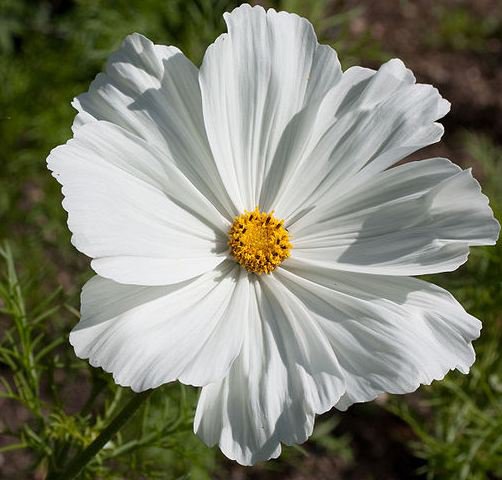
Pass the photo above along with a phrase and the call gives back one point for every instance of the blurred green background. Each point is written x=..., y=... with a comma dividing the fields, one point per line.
x=52, y=404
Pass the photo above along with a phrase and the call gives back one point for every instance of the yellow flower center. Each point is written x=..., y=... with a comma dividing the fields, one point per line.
x=258, y=241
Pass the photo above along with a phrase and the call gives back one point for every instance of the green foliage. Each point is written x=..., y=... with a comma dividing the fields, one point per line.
x=160, y=439
x=458, y=29
x=489, y=157
x=326, y=437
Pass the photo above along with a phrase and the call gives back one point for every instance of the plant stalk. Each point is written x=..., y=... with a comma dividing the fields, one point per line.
x=83, y=458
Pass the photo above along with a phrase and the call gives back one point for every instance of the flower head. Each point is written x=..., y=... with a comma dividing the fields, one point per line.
x=250, y=238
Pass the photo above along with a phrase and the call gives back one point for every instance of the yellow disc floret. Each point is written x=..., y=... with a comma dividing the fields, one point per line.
x=259, y=241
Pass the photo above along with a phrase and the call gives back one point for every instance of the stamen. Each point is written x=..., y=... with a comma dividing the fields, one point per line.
x=259, y=241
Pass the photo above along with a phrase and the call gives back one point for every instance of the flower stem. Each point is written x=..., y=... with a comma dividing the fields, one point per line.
x=83, y=458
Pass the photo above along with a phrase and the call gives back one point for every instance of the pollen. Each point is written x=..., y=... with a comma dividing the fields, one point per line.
x=259, y=241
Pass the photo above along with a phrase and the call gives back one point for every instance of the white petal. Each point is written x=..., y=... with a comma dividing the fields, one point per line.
x=153, y=92
x=367, y=122
x=147, y=336
x=134, y=212
x=254, y=80
x=285, y=373
x=390, y=334
x=413, y=219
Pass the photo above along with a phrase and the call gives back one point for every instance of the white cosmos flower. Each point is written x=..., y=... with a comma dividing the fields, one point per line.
x=164, y=159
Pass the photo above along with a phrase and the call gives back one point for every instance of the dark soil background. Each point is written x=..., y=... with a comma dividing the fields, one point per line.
x=453, y=45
